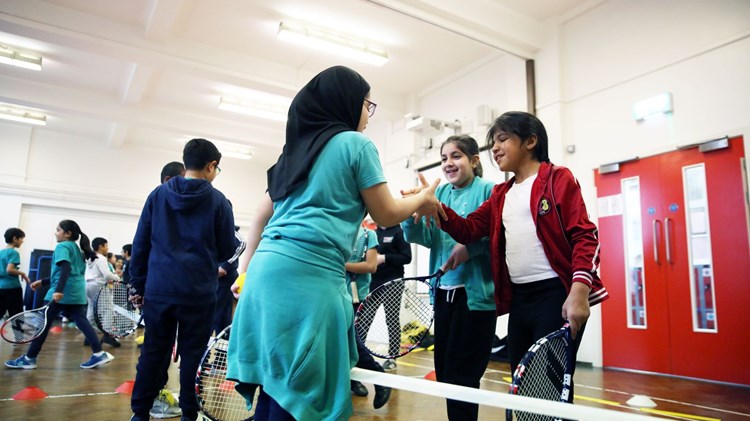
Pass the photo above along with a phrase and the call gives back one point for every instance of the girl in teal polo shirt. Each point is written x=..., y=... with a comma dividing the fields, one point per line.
x=67, y=294
x=292, y=335
x=464, y=300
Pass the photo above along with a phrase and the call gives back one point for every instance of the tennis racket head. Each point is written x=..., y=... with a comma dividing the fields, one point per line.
x=114, y=313
x=216, y=395
x=26, y=326
x=545, y=372
x=408, y=302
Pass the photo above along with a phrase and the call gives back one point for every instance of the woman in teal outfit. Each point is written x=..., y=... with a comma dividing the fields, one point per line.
x=292, y=335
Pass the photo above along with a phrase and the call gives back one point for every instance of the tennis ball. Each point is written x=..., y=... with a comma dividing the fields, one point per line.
x=240, y=282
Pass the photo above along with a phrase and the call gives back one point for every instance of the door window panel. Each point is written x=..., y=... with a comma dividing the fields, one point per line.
x=699, y=249
x=633, y=235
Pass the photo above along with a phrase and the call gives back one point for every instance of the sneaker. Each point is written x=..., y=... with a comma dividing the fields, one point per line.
x=358, y=389
x=23, y=362
x=389, y=365
x=97, y=360
x=106, y=339
x=165, y=406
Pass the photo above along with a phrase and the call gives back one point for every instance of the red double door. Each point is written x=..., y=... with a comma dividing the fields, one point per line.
x=676, y=262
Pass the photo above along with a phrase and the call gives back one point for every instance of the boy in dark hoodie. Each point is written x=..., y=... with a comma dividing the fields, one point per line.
x=186, y=229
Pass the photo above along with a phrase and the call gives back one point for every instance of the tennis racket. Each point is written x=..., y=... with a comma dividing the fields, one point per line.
x=360, y=249
x=114, y=313
x=404, y=298
x=25, y=327
x=545, y=372
x=217, y=397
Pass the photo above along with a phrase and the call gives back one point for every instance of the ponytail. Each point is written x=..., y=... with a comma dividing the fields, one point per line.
x=75, y=231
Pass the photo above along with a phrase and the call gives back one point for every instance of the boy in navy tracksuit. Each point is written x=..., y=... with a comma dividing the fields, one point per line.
x=186, y=228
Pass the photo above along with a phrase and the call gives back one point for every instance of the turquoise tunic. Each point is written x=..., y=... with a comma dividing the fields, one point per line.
x=292, y=331
x=8, y=256
x=75, y=287
x=362, y=279
x=475, y=274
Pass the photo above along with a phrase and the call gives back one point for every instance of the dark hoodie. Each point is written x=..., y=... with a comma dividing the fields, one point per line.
x=186, y=229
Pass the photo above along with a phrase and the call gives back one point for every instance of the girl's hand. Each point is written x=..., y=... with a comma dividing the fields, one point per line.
x=459, y=254
x=56, y=297
x=25, y=277
x=431, y=207
x=576, y=307
x=36, y=284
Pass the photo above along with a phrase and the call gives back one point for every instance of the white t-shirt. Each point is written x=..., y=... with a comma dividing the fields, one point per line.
x=523, y=250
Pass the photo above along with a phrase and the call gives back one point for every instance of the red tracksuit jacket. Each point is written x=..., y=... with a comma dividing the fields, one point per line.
x=569, y=238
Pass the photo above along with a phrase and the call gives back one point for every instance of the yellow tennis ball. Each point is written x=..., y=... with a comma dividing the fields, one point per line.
x=240, y=282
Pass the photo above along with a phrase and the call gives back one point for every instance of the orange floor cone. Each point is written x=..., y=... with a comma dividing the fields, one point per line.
x=227, y=385
x=126, y=388
x=430, y=376
x=30, y=393
x=55, y=329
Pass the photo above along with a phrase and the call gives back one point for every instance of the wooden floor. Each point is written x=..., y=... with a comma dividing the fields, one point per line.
x=76, y=394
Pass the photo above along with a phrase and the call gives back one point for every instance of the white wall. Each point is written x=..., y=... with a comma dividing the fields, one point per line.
x=597, y=64
x=46, y=177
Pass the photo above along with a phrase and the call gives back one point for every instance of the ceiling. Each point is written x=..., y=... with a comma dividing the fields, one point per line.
x=149, y=73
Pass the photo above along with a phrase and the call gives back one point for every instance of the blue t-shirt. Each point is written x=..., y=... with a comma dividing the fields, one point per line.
x=8, y=256
x=366, y=239
x=75, y=287
x=318, y=221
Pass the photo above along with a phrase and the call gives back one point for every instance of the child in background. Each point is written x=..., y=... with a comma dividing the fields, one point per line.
x=97, y=274
x=185, y=230
x=544, y=249
x=67, y=293
x=11, y=293
x=359, y=270
x=464, y=306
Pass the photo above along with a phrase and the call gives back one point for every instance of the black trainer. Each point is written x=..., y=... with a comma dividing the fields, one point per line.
x=358, y=389
x=106, y=339
x=382, y=394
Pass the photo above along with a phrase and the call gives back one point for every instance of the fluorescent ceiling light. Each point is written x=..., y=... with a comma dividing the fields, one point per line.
x=19, y=59
x=11, y=113
x=227, y=149
x=652, y=107
x=276, y=111
x=333, y=43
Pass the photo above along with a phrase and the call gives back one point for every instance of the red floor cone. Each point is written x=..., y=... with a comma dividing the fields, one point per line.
x=30, y=393
x=126, y=388
x=430, y=376
x=227, y=385
x=55, y=329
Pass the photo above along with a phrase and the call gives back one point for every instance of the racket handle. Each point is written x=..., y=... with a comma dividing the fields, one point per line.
x=355, y=295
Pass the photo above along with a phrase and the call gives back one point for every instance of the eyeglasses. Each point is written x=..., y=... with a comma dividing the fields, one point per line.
x=218, y=170
x=371, y=107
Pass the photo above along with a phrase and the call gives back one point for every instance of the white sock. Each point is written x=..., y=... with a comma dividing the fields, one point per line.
x=98, y=354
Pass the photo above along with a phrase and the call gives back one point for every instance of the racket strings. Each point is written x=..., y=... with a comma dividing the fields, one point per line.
x=543, y=376
x=410, y=314
x=114, y=311
x=23, y=327
x=217, y=396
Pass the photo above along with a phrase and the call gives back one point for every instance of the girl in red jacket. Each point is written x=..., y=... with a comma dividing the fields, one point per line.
x=544, y=250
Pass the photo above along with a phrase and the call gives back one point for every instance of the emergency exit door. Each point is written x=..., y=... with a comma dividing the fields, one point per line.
x=676, y=262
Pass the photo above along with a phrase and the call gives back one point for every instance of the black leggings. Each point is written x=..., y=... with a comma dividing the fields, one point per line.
x=391, y=320
x=535, y=312
x=76, y=313
x=11, y=300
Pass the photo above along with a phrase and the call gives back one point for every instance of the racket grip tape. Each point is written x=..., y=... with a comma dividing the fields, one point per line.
x=355, y=295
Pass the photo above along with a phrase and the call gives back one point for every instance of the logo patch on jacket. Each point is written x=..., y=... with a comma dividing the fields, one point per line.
x=544, y=207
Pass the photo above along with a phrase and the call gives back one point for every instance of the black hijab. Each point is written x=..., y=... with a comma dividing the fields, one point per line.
x=329, y=104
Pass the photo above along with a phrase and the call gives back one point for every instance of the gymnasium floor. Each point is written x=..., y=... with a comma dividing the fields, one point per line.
x=76, y=394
